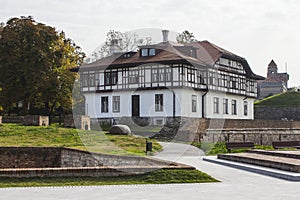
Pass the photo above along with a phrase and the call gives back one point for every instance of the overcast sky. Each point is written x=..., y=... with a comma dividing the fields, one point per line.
x=259, y=30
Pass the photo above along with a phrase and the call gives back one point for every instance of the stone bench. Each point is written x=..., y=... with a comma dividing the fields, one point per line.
x=286, y=144
x=239, y=145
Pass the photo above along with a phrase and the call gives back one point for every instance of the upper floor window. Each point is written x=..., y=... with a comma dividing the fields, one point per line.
x=191, y=75
x=161, y=74
x=133, y=76
x=85, y=80
x=147, y=52
x=111, y=78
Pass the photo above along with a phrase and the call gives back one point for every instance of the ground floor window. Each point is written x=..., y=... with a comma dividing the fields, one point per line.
x=216, y=105
x=158, y=102
x=233, y=107
x=245, y=108
x=104, y=104
x=225, y=106
x=194, y=103
x=116, y=103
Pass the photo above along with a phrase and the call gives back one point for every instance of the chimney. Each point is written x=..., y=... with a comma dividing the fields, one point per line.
x=165, y=35
x=114, y=46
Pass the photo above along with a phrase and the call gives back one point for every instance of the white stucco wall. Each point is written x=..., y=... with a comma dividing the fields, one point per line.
x=183, y=103
x=209, y=108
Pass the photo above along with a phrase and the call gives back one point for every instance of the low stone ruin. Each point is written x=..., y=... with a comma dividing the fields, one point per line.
x=36, y=120
x=78, y=121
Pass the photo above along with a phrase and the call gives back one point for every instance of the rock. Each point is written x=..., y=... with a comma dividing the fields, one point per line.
x=120, y=130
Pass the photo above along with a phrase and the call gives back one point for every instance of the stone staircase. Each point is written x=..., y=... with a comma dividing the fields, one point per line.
x=282, y=160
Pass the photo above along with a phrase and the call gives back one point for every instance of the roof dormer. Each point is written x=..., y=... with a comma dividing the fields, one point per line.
x=145, y=52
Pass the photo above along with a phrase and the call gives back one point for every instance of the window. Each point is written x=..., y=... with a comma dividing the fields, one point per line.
x=194, y=103
x=151, y=52
x=233, y=107
x=84, y=80
x=216, y=105
x=225, y=106
x=91, y=79
x=191, y=75
x=159, y=102
x=161, y=74
x=147, y=52
x=111, y=78
x=104, y=104
x=245, y=108
x=116, y=104
x=144, y=52
x=133, y=76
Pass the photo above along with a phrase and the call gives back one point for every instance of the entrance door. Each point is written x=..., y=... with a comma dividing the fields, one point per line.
x=135, y=106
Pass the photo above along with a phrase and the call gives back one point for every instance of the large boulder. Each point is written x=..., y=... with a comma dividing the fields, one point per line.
x=120, y=130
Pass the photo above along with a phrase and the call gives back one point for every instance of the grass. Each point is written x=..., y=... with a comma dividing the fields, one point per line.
x=154, y=177
x=280, y=100
x=56, y=136
x=212, y=149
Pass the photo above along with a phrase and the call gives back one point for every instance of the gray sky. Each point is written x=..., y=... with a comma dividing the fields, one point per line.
x=259, y=30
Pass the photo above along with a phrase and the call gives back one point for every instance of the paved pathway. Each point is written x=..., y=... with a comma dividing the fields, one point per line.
x=236, y=184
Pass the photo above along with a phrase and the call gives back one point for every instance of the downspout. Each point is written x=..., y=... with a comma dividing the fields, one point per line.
x=203, y=106
x=174, y=104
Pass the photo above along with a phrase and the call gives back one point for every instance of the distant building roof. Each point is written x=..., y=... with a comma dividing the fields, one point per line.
x=272, y=64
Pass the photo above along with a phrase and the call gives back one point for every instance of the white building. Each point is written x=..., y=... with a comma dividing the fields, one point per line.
x=170, y=80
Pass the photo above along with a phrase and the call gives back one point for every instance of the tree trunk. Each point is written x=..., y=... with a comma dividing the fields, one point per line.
x=24, y=109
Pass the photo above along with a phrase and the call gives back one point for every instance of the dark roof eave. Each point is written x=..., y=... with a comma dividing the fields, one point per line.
x=116, y=66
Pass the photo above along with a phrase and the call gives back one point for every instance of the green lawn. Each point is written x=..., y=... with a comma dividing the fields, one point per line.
x=154, y=177
x=283, y=99
x=96, y=141
x=56, y=136
x=212, y=149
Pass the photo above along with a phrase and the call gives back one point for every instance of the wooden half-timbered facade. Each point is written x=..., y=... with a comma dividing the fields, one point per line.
x=199, y=80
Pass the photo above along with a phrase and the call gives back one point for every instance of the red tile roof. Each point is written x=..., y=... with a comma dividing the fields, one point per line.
x=171, y=52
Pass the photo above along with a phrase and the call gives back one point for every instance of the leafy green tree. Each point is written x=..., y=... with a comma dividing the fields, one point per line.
x=128, y=41
x=35, y=63
x=185, y=37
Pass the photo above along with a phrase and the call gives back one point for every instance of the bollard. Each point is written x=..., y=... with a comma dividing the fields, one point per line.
x=148, y=146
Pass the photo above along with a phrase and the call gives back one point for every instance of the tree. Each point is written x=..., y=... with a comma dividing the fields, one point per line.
x=126, y=42
x=185, y=37
x=35, y=63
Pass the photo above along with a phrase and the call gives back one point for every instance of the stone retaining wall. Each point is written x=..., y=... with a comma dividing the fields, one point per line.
x=13, y=119
x=39, y=157
x=85, y=171
x=261, y=136
x=53, y=162
x=77, y=158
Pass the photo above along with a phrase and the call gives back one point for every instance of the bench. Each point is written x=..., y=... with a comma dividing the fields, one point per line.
x=239, y=145
x=286, y=144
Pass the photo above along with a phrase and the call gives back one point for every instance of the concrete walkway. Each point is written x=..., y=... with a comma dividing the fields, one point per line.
x=236, y=184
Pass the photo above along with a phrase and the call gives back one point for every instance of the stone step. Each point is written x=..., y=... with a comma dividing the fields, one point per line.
x=285, y=154
x=276, y=162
